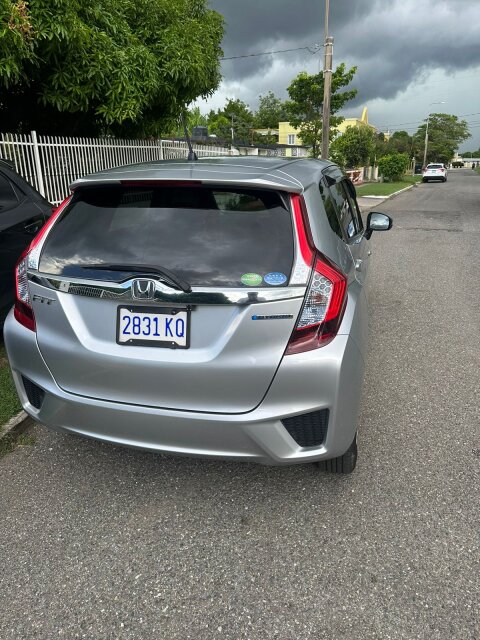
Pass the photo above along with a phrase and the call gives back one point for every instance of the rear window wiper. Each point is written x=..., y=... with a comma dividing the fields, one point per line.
x=138, y=269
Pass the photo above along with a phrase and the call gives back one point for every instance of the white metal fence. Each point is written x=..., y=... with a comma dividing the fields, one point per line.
x=52, y=163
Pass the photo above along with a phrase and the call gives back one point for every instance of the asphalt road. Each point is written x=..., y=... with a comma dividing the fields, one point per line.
x=100, y=542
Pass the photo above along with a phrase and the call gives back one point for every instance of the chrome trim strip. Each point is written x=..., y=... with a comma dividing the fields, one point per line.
x=122, y=292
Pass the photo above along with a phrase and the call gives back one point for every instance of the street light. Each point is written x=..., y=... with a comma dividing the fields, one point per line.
x=426, y=133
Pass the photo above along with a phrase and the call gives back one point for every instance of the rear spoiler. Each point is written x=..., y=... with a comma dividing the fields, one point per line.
x=288, y=184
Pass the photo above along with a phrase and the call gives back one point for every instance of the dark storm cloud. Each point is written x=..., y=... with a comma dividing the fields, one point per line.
x=252, y=22
x=393, y=42
x=269, y=25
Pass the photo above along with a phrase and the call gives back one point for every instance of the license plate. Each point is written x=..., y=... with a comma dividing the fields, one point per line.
x=153, y=327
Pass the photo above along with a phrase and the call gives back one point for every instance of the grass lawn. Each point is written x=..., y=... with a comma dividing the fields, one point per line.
x=386, y=188
x=9, y=403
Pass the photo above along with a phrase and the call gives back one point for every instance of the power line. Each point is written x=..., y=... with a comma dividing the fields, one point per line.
x=401, y=124
x=314, y=48
x=475, y=123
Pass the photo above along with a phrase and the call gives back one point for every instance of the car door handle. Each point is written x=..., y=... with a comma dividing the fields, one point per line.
x=33, y=227
x=358, y=265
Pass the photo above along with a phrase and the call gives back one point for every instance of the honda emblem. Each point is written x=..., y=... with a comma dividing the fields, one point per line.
x=143, y=289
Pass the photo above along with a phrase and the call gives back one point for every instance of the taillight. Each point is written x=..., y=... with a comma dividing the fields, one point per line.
x=23, y=310
x=326, y=296
x=322, y=310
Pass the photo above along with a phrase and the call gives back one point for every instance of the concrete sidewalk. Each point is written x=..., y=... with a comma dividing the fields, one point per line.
x=366, y=204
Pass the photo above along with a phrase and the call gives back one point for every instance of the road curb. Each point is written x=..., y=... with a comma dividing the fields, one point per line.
x=16, y=425
x=397, y=193
x=392, y=195
x=381, y=199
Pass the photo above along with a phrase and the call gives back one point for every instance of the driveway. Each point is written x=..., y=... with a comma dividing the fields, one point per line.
x=104, y=543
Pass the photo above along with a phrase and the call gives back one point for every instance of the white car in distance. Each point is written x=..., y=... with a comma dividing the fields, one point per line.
x=434, y=171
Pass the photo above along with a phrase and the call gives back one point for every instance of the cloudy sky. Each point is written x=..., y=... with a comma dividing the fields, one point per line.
x=409, y=54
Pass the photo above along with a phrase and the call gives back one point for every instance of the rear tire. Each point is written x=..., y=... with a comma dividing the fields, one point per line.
x=424, y=180
x=343, y=464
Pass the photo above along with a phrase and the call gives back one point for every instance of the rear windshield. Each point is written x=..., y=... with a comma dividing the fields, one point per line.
x=435, y=166
x=207, y=236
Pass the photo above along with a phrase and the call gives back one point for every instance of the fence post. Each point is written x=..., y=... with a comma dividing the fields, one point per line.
x=38, y=164
x=161, y=150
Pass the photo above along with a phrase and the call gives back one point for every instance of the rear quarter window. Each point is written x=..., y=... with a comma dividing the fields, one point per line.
x=330, y=210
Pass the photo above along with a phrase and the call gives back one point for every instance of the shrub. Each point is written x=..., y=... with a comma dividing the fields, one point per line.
x=354, y=147
x=393, y=166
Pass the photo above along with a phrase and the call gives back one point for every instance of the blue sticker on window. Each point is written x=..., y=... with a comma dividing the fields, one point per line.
x=275, y=278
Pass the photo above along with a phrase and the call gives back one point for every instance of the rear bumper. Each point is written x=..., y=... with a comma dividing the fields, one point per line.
x=328, y=378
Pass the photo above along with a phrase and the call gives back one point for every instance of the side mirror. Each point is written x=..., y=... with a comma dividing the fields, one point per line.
x=377, y=222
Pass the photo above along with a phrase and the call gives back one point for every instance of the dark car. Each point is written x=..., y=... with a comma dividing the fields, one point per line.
x=23, y=211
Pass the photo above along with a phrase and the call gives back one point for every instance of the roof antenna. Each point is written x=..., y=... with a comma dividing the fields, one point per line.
x=192, y=156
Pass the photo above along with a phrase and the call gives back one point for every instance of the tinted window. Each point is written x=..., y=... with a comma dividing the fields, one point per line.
x=435, y=166
x=344, y=210
x=8, y=199
x=207, y=236
x=329, y=205
x=354, y=208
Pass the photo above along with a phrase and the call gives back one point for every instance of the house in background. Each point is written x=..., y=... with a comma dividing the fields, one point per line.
x=290, y=142
x=267, y=132
x=356, y=122
x=274, y=145
x=287, y=134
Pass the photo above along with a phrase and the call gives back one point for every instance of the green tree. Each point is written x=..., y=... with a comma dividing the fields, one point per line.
x=445, y=134
x=219, y=125
x=16, y=40
x=393, y=166
x=193, y=118
x=306, y=99
x=240, y=117
x=125, y=67
x=237, y=115
x=471, y=154
x=380, y=146
x=400, y=142
x=354, y=147
x=271, y=110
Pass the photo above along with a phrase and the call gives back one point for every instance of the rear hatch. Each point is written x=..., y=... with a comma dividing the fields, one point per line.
x=169, y=295
x=435, y=169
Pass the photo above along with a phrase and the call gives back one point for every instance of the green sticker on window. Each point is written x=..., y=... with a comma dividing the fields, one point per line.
x=251, y=279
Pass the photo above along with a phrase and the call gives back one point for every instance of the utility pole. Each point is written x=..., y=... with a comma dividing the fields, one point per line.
x=426, y=143
x=426, y=133
x=327, y=85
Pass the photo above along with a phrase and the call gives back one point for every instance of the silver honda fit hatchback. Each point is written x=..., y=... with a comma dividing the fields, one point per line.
x=212, y=308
